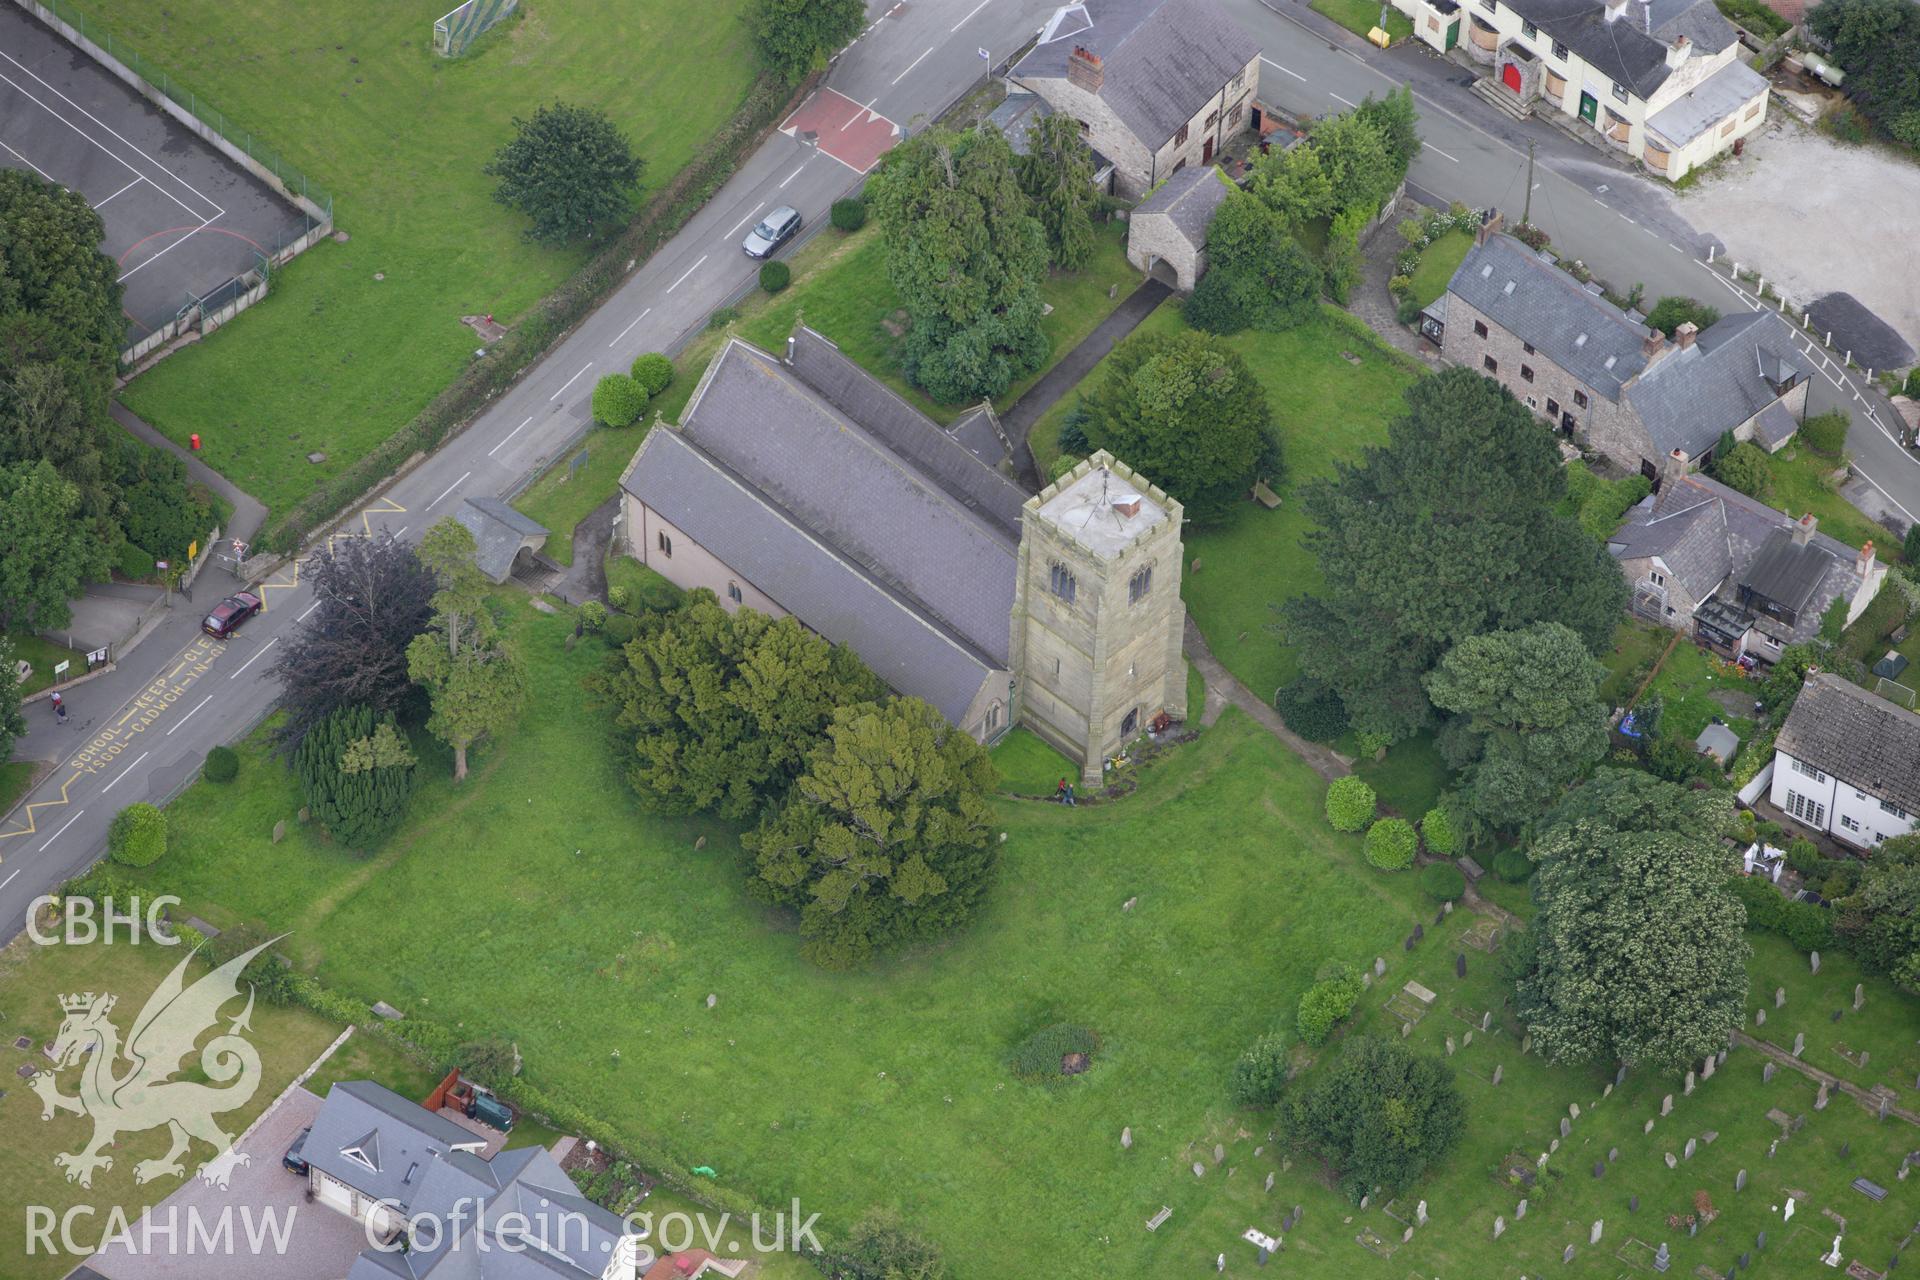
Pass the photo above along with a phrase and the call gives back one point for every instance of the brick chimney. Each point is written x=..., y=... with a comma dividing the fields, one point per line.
x=1678, y=51
x=1674, y=466
x=1863, y=563
x=1803, y=529
x=1084, y=70
x=1489, y=228
x=1126, y=505
x=1654, y=343
x=1685, y=334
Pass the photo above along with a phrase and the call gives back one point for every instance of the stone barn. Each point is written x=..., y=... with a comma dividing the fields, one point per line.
x=1167, y=233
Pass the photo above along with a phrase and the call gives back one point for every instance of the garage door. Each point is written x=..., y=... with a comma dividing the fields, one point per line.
x=334, y=1194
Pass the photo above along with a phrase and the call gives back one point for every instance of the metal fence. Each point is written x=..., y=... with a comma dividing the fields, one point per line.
x=462, y=26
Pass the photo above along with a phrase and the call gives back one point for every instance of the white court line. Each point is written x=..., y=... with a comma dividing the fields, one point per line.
x=122, y=191
x=169, y=249
x=570, y=381
x=511, y=434
x=196, y=707
x=124, y=772
x=1428, y=146
x=963, y=22
x=677, y=283
x=310, y=608
x=1337, y=98
x=457, y=483
x=744, y=221
x=1277, y=67
x=56, y=835
x=790, y=177
x=910, y=66
x=136, y=150
x=255, y=658
x=43, y=173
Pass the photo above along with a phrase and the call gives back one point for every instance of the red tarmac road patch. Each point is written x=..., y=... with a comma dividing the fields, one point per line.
x=852, y=134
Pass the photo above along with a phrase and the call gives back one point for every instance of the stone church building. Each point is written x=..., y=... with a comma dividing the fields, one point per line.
x=800, y=484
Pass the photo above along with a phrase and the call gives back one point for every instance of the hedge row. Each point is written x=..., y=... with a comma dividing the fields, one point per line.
x=450, y=411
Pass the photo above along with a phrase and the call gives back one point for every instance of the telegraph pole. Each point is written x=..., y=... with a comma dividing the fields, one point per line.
x=1526, y=214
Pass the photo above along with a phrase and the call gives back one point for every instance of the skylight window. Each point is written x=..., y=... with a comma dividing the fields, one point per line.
x=1580, y=341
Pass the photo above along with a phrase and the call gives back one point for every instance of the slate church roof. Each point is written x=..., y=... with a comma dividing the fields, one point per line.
x=1856, y=736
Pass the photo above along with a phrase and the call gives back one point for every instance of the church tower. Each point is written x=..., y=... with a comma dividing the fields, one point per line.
x=1097, y=617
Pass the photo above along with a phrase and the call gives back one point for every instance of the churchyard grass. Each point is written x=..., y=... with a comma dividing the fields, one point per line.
x=1361, y=16
x=32, y=980
x=336, y=359
x=562, y=497
x=1029, y=766
x=536, y=901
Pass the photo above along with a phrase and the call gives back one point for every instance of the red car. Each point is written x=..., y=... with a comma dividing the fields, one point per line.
x=226, y=617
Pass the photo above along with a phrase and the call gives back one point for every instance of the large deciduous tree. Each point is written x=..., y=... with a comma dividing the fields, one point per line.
x=1448, y=532
x=884, y=840
x=1294, y=183
x=1057, y=174
x=1639, y=954
x=722, y=709
x=1529, y=702
x=46, y=551
x=1380, y=1116
x=1185, y=411
x=1396, y=121
x=1358, y=159
x=13, y=724
x=966, y=256
x=1878, y=41
x=568, y=169
x=1257, y=276
x=373, y=596
x=472, y=673
x=1880, y=919
x=880, y=1246
x=798, y=36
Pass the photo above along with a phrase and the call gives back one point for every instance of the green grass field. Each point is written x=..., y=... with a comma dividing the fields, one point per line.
x=563, y=496
x=1361, y=16
x=1030, y=767
x=44, y=654
x=1438, y=262
x=1801, y=484
x=355, y=338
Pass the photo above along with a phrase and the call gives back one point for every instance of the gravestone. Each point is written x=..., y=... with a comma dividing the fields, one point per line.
x=1633, y=1204
x=1863, y=1059
x=1693, y=1228
x=1620, y=1076
x=1407, y=943
x=1554, y=1146
x=1460, y=965
x=1526, y=1046
x=1799, y=1043
x=1608, y=1091
x=1450, y=1046
x=1672, y=1163
x=280, y=831
x=1406, y=1237
x=1573, y=1110
x=1760, y=1241
x=1496, y=1074
x=1568, y=1255
x=1467, y=1039
x=1566, y=1126
x=1766, y=1073
x=1647, y=1128
x=1837, y=1015
x=1661, y=1259
x=1599, y=1169
x=1687, y=1092
x=1440, y=915
x=1886, y=1105
x=1126, y=1138
x=1499, y=1226
x=1846, y=1149
x=1692, y=1144
x=1366, y=979
x=1420, y=1213
x=1406, y=1029
x=1419, y=932
x=1379, y=967
x=1706, y=1069
x=1365, y=1201
x=1613, y=1153
x=1446, y=908
x=1269, y=1186
x=1708, y=1138
x=1720, y=1059
x=1666, y=1105
x=1859, y=996
x=1746, y=1260
x=1219, y=1153
x=1593, y=1236
x=1813, y=960
x=1740, y=1180
x=1520, y=1211
x=1486, y=1020
x=1820, y=1099
x=1779, y=997
x=1199, y=1170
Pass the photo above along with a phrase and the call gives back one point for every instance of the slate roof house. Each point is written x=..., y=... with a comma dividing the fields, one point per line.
x=386, y=1161
x=1155, y=84
x=1744, y=578
x=1017, y=116
x=1662, y=80
x=1599, y=373
x=1167, y=232
x=1847, y=762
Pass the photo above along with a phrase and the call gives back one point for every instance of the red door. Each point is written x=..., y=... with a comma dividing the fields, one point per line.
x=1510, y=76
x=1206, y=152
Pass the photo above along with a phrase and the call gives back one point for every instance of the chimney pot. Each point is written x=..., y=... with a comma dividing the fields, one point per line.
x=1803, y=529
x=1678, y=51
x=1084, y=69
x=1863, y=563
x=1686, y=333
x=1655, y=343
x=1491, y=227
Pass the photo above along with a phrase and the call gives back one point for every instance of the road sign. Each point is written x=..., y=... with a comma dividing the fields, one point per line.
x=985, y=56
x=60, y=667
x=97, y=656
x=193, y=549
x=161, y=565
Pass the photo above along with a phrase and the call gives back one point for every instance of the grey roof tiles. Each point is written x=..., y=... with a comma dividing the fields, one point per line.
x=1858, y=737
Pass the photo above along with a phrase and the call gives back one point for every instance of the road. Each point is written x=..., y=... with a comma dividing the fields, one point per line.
x=143, y=731
x=1626, y=227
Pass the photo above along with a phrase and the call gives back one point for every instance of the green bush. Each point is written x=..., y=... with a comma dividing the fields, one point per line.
x=1745, y=469
x=593, y=616
x=1311, y=709
x=1327, y=1002
x=1512, y=866
x=138, y=836
x=620, y=630
x=849, y=214
x=1350, y=804
x=1259, y=1075
x=1844, y=123
x=1803, y=856
x=357, y=774
x=618, y=597
x=661, y=595
x=1825, y=433
x=1443, y=882
x=775, y=276
x=1671, y=312
x=723, y=317
x=1436, y=829
x=653, y=371
x=1038, y=1058
x=1913, y=382
x=1390, y=844
x=618, y=400
x=223, y=765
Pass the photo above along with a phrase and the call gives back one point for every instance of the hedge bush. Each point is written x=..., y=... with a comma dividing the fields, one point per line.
x=1350, y=804
x=1327, y=1002
x=849, y=214
x=1259, y=1075
x=1443, y=882
x=1311, y=709
x=223, y=765
x=1436, y=829
x=1825, y=433
x=1390, y=844
x=593, y=616
x=1512, y=866
x=653, y=371
x=775, y=276
x=618, y=400
x=618, y=597
x=620, y=630
x=138, y=836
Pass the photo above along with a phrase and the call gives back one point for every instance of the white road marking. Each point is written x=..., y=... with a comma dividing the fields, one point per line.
x=683, y=279
x=402, y=529
x=963, y=22
x=1676, y=248
x=56, y=835
x=516, y=431
x=910, y=66
x=1650, y=231
x=1337, y=98
x=1277, y=67
x=122, y=191
x=9, y=879
x=255, y=658
x=1630, y=220
x=1428, y=146
x=1883, y=493
x=790, y=177
x=736, y=226
x=457, y=483
x=183, y=719
x=124, y=772
x=310, y=608
x=570, y=381
x=637, y=319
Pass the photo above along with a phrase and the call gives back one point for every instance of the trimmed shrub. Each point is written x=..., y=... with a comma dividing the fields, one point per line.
x=723, y=317
x=618, y=596
x=618, y=400
x=1350, y=804
x=1327, y=1002
x=1745, y=469
x=1259, y=1075
x=1671, y=312
x=1825, y=433
x=223, y=765
x=593, y=615
x=1040, y=1058
x=661, y=595
x=620, y=630
x=1390, y=844
x=775, y=276
x=138, y=836
x=1443, y=882
x=357, y=774
x=653, y=371
x=1436, y=829
x=1512, y=866
x=1803, y=856
x=1311, y=709
x=849, y=214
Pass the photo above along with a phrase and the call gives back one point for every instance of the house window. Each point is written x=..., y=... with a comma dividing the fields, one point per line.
x=1753, y=111
x=1233, y=117
x=1553, y=407
x=1060, y=582
x=1131, y=725
x=1526, y=371
x=1656, y=578
x=1806, y=809
x=1213, y=118
x=1619, y=93
x=1528, y=30
x=1086, y=130
x=1806, y=770
x=1479, y=328
x=1139, y=584
x=1888, y=806
x=1559, y=51
x=1850, y=822
x=1180, y=138
x=1492, y=365
x=733, y=593
x=666, y=544
x=1527, y=347
x=1239, y=78
x=1532, y=403
x=1580, y=399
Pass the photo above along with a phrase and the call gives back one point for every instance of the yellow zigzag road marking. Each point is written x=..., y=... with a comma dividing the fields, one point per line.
x=32, y=825
x=382, y=507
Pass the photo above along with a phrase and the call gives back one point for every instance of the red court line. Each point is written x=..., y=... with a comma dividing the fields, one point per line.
x=202, y=228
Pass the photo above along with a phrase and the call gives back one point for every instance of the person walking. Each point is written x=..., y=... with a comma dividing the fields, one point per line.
x=59, y=707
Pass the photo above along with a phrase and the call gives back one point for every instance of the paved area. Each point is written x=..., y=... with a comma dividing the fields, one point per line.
x=495, y=1139
x=319, y=1244
x=181, y=219
x=851, y=133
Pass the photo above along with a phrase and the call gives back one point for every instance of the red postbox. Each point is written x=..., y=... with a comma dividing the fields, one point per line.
x=194, y=440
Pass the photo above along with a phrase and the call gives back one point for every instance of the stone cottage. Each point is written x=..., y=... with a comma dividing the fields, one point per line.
x=1167, y=232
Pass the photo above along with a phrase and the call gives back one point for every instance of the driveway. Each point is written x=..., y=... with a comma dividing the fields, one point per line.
x=320, y=1244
